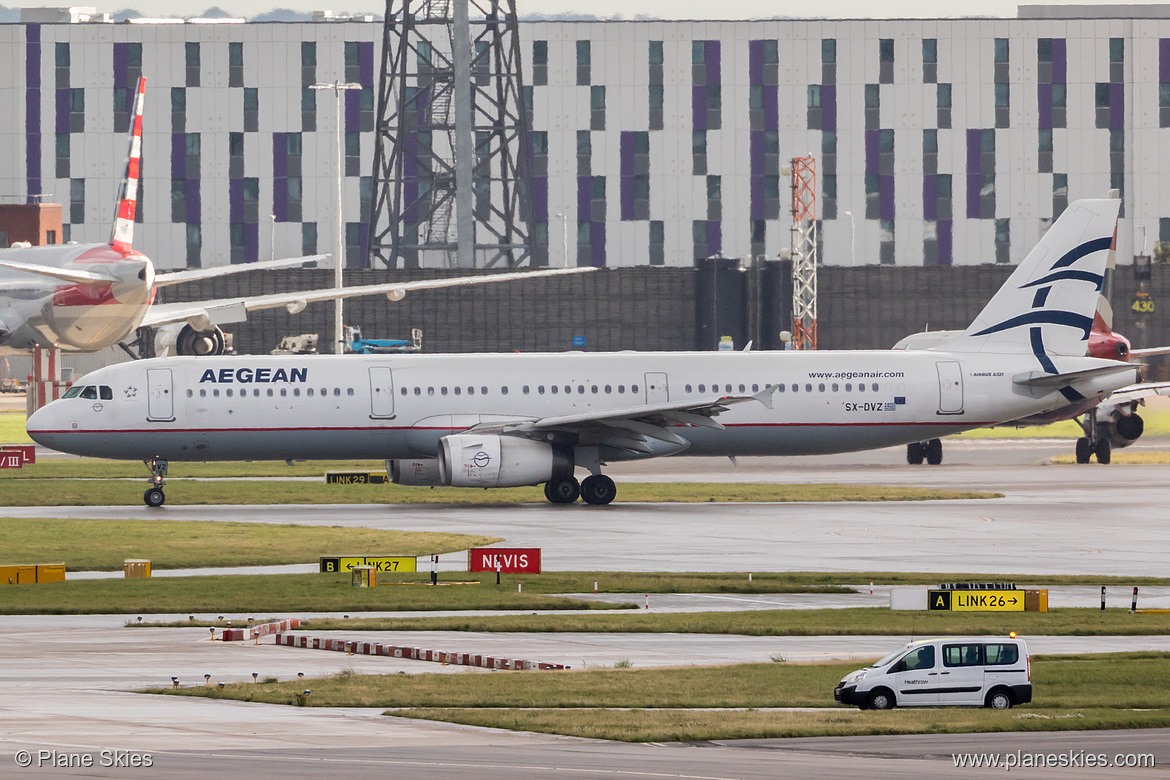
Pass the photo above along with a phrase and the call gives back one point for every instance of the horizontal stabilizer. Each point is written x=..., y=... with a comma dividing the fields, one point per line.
x=1040, y=380
x=65, y=275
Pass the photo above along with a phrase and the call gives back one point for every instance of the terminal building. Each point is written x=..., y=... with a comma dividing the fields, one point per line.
x=937, y=141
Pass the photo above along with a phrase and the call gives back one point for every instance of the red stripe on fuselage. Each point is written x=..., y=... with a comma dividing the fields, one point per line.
x=84, y=294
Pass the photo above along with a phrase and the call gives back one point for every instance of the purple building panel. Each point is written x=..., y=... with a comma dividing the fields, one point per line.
x=410, y=201
x=584, y=195
x=829, y=107
x=626, y=155
x=1044, y=105
x=353, y=121
x=713, y=70
x=946, y=252
x=364, y=237
x=540, y=199
x=121, y=81
x=872, y=156
x=714, y=237
x=32, y=111
x=1164, y=61
x=699, y=108
x=930, y=197
x=771, y=108
x=597, y=244
x=194, y=203
x=974, y=172
x=236, y=200
x=178, y=155
x=280, y=154
x=62, y=111
x=1116, y=106
x=251, y=242
x=886, y=196
x=366, y=63
x=756, y=63
x=1059, y=61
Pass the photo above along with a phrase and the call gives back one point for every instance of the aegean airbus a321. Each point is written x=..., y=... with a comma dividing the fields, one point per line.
x=501, y=420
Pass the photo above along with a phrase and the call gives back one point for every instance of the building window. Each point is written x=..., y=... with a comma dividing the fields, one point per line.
x=929, y=60
x=540, y=63
x=191, y=58
x=235, y=64
x=886, y=61
x=584, y=56
x=597, y=108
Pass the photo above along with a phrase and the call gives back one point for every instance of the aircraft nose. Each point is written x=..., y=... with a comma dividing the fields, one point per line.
x=41, y=424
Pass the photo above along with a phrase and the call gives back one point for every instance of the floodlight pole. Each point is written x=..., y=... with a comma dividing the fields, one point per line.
x=339, y=235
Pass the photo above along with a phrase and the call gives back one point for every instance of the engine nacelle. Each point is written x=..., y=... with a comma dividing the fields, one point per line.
x=468, y=460
x=1122, y=430
x=417, y=473
x=182, y=339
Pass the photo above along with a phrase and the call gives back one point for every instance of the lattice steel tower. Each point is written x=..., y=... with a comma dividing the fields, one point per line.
x=452, y=186
x=804, y=253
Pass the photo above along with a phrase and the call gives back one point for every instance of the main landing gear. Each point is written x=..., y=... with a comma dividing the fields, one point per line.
x=597, y=489
x=930, y=451
x=154, y=495
x=1091, y=444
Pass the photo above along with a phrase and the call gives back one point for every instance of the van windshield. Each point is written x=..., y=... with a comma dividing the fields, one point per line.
x=889, y=659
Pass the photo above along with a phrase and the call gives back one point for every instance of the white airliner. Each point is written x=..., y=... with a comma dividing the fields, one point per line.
x=86, y=297
x=500, y=420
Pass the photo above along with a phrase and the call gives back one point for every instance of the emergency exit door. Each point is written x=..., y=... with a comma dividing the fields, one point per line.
x=160, y=400
x=656, y=389
x=950, y=387
x=381, y=392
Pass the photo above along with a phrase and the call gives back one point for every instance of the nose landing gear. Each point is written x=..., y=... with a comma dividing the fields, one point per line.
x=154, y=496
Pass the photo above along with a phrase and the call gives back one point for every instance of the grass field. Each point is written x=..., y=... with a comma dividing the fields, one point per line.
x=103, y=545
x=263, y=595
x=796, y=622
x=12, y=428
x=1071, y=692
x=61, y=491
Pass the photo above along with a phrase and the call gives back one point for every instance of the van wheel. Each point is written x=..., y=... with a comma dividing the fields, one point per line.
x=999, y=700
x=881, y=699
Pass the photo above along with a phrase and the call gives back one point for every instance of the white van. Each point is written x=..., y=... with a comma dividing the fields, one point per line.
x=976, y=671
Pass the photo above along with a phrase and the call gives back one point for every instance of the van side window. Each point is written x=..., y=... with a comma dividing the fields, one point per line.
x=921, y=658
x=1005, y=654
x=963, y=655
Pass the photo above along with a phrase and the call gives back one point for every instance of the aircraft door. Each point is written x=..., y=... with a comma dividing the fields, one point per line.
x=950, y=387
x=656, y=389
x=381, y=393
x=160, y=400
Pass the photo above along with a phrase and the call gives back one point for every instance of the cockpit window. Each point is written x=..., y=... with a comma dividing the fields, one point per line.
x=73, y=392
x=106, y=393
x=89, y=393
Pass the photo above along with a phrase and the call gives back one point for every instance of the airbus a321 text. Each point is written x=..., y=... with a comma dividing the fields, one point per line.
x=86, y=297
x=500, y=420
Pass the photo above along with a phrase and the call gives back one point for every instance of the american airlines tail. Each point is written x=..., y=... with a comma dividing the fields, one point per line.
x=122, y=232
x=1046, y=306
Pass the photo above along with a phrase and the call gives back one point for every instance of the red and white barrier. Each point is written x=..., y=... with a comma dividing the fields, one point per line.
x=413, y=653
x=264, y=629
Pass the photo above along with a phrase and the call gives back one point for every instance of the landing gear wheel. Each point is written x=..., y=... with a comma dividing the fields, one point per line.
x=564, y=490
x=934, y=452
x=1103, y=451
x=1084, y=450
x=598, y=490
x=915, y=453
x=881, y=699
x=154, y=496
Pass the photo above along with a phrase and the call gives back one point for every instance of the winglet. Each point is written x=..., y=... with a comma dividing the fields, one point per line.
x=122, y=234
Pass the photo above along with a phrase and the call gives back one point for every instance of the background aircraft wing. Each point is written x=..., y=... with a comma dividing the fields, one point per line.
x=635, y=429
x=178, y=277
x=201, y=314
x=1138, y=392
x=64, y=274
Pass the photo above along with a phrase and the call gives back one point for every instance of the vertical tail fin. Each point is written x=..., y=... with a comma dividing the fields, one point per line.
x=122, y=233
x=1047, y=305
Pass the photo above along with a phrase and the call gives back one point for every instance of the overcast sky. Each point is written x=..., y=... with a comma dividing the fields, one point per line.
x=665, y=9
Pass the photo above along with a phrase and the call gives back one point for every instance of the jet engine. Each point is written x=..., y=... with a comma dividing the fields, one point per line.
x=1120, y=429
x=418, y=473
x=470, y=460
x=176, y=339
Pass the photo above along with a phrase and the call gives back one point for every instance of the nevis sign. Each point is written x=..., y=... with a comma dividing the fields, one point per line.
x=509, y=560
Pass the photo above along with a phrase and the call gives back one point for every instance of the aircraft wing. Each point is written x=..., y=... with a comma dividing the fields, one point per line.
x=1149, y=352
x=634, y=429
x=202, y=314
x=64, y=274
x=1138, y=392
x=194, y=274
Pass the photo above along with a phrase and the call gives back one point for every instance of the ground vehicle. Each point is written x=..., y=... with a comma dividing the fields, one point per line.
x=955, y=671
x=354, y=342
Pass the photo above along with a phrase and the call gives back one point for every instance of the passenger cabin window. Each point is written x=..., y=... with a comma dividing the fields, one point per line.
x=229, y=392
x=504, y=390
x=349, y=391
x=284, y=392
x=202, y=392
x=190, y=393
